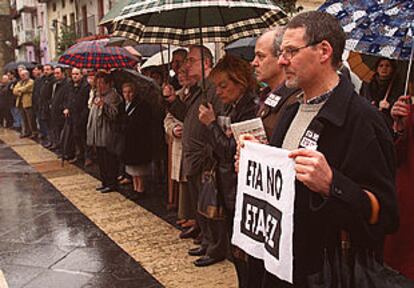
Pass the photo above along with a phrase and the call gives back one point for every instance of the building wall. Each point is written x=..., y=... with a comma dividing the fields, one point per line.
x=6, y=34
x=42, y=32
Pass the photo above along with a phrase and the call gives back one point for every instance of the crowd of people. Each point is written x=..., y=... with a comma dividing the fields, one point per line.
x=348, y=182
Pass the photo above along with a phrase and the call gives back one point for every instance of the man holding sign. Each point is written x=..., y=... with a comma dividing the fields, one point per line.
x=343, y=154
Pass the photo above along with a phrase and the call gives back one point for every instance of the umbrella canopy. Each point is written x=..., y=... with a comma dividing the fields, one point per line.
x=13, y=65
x=186, y=22
x=96, y=55
x=145, y=50
x=109, y=17
x=159, y=59
x=362, y=65
x=381, y=28
x=243, y=48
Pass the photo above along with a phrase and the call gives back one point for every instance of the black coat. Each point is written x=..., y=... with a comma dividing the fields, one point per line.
x=360, y=151
x=37, y=88
x=137, y=133
x=61, y=89
x=43, y=108
x=76, y=100
x=224, y=148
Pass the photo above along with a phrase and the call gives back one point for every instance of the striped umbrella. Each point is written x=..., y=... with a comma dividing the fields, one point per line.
x=97, y=55
x=185, y=22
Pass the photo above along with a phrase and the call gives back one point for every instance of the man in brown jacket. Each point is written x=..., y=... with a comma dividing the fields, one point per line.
x=23, y=92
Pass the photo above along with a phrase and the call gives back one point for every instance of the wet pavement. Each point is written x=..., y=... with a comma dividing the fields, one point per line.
x=47, y=242
x=57, y=231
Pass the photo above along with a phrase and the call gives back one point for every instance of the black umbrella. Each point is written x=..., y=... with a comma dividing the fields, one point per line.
x=243, y=48
x=147, y=88
x=13, y=65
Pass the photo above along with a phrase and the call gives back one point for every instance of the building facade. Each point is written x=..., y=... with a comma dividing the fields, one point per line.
x=7, y=41
x=69, y=20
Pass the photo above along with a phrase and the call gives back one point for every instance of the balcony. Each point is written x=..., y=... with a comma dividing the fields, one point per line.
x=26, y=6
x=25, y=37
x=86, y=27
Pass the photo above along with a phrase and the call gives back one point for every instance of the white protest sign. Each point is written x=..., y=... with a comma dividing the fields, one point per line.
x=263, y=223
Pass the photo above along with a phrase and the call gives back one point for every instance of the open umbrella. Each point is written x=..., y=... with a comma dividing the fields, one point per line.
x=159, y=59
x=13, y=65
x=185, y=22
x=96, y=55
x=362, y=65
x=381, y=28
x=243, y=48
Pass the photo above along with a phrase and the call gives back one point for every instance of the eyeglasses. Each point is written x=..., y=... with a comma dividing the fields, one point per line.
x=289, y=53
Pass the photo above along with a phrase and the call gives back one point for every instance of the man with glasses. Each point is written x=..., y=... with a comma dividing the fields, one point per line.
x=343, y=152
x=196, y=154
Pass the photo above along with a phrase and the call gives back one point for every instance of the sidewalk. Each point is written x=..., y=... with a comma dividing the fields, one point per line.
x=149, y=240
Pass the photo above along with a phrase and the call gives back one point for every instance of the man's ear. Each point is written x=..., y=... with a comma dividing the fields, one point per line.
x=326, y=51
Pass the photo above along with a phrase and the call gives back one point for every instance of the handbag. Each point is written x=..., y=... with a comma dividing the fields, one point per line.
x=351, y=267
x=209, y=203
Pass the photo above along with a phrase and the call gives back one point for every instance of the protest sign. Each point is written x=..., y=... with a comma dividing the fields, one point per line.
x=263, y=224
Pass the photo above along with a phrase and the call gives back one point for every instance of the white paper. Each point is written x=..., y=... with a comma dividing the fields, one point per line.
x=263, y=224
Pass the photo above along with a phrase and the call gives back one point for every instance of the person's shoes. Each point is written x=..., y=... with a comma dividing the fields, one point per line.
x=188, y=223
x=73, y=160
x=190, y=233
x=206, y=261
x=198, y=251
x=108, y=190
x=24, y=136
x=198, y=239
x=100, y=188
x=47, y=145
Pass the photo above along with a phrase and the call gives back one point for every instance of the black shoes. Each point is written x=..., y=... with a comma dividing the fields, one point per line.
x=100, y=188
x=206, y=261
x=198, y=251
x=190, y=233
x=108, y=190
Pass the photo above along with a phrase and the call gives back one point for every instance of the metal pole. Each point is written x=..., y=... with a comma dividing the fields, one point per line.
x=203, y=83
x=410, y=64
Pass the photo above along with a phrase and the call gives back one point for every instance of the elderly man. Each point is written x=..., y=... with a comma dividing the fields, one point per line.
x=177, y=61
x=105, y=110
x=76, y=107
x=23, y=92
x=345, y=179
x=196, y=154
x=277, y=96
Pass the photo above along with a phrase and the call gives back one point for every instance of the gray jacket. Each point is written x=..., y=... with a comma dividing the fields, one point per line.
x=196, y=152
x=101, y=121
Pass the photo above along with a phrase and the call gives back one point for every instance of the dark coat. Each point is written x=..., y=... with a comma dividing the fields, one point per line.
x=5, y=102
x=271, y=115
x=61, y=89
x=10, y=99
x=360, y=151
x=224, y=148
x=37, y=88
x=376, y=90
x=77, y=103
x=43, y=108
x=195, y=134
x=138, y=133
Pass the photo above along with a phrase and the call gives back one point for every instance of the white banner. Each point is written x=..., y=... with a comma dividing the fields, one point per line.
x=263, y=224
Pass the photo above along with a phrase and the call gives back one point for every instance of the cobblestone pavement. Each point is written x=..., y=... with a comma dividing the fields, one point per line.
x=67, y=239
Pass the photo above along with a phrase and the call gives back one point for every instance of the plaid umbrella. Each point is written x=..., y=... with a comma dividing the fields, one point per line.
x=97, y=55
x=185, y=22
x=381, y=28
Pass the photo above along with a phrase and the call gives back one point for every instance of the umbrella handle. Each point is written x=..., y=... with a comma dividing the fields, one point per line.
x=410, y=64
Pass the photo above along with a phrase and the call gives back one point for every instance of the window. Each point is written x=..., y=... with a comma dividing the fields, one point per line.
x=63, y=3
x=65, y=21
x=54, y=7
x=72, y=20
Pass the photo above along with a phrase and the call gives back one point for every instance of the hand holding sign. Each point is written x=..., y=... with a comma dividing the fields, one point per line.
x=313, y=170
x=240, y=144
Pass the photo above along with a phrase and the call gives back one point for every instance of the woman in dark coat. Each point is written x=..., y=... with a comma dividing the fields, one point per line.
x=235, y=86
x=384, y=88
x=137, y=153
